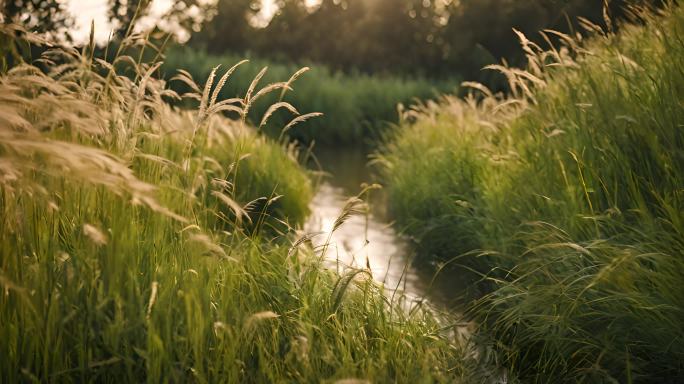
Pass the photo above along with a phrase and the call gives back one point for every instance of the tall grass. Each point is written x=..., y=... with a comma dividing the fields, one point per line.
x=567, y=196
x=136, y=243
x=357, y=109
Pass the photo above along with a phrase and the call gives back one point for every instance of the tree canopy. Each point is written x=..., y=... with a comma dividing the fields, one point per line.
x=428, y=37
x=433, y=38
x=42, y=16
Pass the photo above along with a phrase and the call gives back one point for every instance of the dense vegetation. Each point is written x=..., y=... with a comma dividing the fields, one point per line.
x=142, y=242
x=428, y=37
x=357, y=109
x=150, y=226
x=567, y=196
x=434, y=38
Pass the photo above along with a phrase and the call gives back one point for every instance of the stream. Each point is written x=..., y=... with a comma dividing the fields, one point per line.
x=388, y=254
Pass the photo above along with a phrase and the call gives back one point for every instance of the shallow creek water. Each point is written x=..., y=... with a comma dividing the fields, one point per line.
x=369, y=239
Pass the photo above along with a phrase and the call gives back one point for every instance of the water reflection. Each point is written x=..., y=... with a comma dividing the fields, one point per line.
x=362, y=241
x=365, y=240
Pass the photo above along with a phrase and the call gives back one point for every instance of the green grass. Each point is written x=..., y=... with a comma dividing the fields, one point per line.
x=567, y=197
x=139, y=242
x=357, y=108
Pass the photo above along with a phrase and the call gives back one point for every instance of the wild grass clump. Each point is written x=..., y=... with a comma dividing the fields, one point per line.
x=567, y=196
x=357, y=108
x=135, y=242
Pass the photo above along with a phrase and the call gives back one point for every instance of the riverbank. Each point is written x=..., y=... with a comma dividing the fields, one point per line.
x=567, y=197
x=370, y=240
x=143, y=243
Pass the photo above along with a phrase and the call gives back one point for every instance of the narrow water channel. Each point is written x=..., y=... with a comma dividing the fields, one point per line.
x=368, y=240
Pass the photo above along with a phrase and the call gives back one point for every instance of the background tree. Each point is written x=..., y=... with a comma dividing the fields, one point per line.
x=434, y=38
x=187, y=16
x=122, y=13
x=41, y=16
x=228, y=27
x=344, y=46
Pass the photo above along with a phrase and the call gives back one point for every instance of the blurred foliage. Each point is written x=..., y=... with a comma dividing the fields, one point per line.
x=38, y=15
x=357, y=108
x=430, y=38
x=183, y=16
x=427, y=37
x=123, y=13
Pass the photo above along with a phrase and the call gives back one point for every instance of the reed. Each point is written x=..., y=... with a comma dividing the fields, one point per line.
x=141, y=242
x=566, y=197
x=357, y=108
